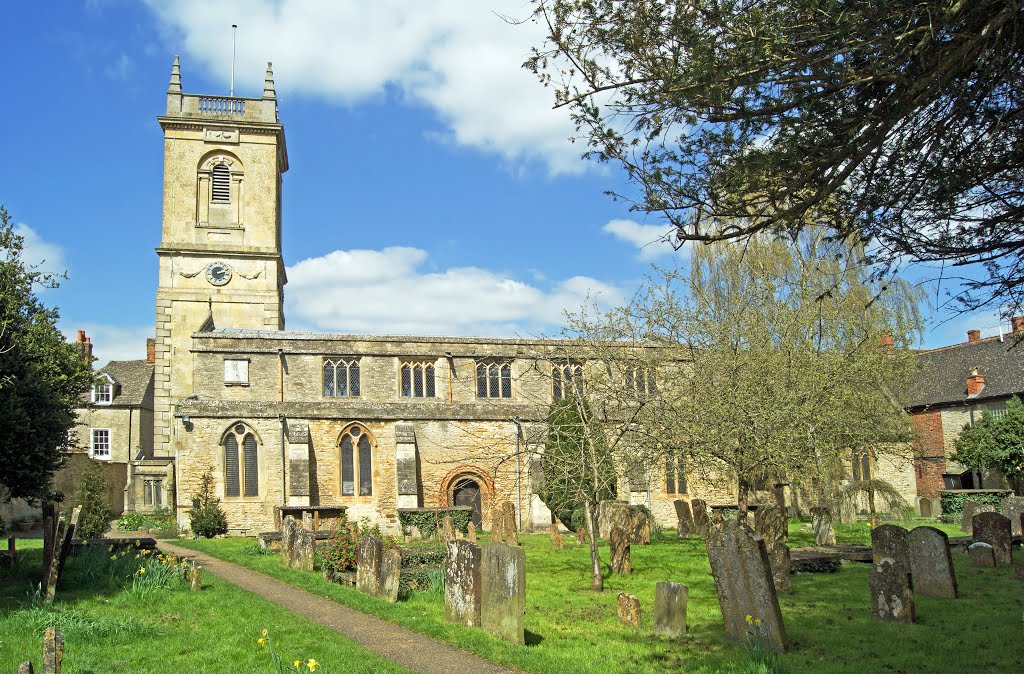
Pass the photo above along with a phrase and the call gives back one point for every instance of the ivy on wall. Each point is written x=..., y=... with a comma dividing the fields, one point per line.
x=953, y=501
x=428, y=520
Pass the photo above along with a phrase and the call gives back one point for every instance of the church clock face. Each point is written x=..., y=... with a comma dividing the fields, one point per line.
x=218, y=273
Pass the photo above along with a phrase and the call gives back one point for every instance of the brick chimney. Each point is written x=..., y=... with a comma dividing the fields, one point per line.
x=84, y=346
x=150, y=350
x=973, y=336
x=885, y=341
x=975, y=383
x=1017, y=322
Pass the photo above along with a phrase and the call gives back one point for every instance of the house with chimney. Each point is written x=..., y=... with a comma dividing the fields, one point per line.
x=956, y=385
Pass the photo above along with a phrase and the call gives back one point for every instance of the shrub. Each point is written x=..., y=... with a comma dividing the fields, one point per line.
x=953, y=502
x=207, y=518
x=133, y=522
x=338, y=554
x=428, y=520
x=3, y=527
x=94, y=519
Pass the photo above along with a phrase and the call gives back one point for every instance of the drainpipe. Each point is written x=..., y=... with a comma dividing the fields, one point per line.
x=280, y=374
x=284, y=479
x=519, y=474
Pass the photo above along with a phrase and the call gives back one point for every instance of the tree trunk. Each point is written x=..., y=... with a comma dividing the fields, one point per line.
x=871, y=505
x=597, y=579
x=742, y=500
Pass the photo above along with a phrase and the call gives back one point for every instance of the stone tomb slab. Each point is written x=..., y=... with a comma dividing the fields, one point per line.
x=931, y=564
x=462, y=583
x=503, y=591
x=743, y=579
x=995, y=529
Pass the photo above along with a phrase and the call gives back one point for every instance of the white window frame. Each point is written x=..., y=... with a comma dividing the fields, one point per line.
x=93, y=432
x=103, y=391
x=236, y=371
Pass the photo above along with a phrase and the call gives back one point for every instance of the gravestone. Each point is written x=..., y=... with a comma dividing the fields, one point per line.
x=743, y=580
x=503, y=591
x=619, y=544
x=889, y=541
x=972, y=508
x=994, y=529
x=981, y=554
x=49, y=584
x=1013, y=509
x=635, y=522
x=771, y=523
x=607, y=514
x=447, y=529
x=556, y=537
x=69, y=534
x=368, y=568
x=670, y=609
x=289, y=529
x=462, y=583
x=892, y=598
x=684, y=518
x=508, y=529
x=390, y=575
x=629, y=609
x=931, y=565
x=471, y=533
x=701, y=521
x=778, y=557
x=497, y=524
x=824, y=531
x=581, y=536
x=303, y=549
x=1018, y=572
x=53, y=650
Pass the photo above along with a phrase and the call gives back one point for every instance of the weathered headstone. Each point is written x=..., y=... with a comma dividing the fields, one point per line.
x=303, y=549
x=670, y=609
x=1018, y=572
x=368, y=568
x=629, y=609
x=504, y=523
x=69, y=533
x=448, y=529
x=824, y=531
x=53, y=650
x=778, y=557
x=1012, y=508
x=556, y=537
x=743, y=579
x=289, y=529
x=503, y=591
x=26, y=668
x=981, y=554
x=701, y=521
x=581, y=536
x=972, y=508
x=50, y=573
x=607, y=514
x=771, y=523
x=892, y=598
x=471, y=533
x=684, y=518
x=889, y=541
x=462, y=583
x=994, y=529
x=619, y=544
x=931, y=565
x=497, y=525
x=390, y=575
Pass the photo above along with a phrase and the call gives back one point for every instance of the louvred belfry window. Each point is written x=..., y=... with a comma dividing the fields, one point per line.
x=241, y=463
x=221, y=184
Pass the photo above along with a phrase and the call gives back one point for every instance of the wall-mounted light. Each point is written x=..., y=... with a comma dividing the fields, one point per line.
x=185, y=419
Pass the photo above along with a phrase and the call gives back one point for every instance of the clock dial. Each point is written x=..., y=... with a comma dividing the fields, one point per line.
x=218, y=273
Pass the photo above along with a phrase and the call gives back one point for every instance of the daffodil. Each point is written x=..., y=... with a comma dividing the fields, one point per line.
x=264, y=632
x=757, y=621
x=312, y=664
x=261, y=641
x=296, y=664
x=142, y=569
x=750, y=619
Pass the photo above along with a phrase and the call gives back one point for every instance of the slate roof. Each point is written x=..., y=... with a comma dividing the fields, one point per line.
x=943, y=377
x=135, y=378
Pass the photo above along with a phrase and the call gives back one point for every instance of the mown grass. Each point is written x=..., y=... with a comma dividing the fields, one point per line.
x=828, y=616
x=109, y=627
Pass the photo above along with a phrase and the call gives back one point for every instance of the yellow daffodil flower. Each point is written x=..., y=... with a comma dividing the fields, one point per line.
x=312, y=664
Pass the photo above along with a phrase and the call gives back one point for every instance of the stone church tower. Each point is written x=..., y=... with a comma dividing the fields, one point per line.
x=220, y=252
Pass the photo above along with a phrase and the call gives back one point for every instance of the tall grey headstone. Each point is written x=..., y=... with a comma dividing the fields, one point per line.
x=931, y=564
x=892, y=598
x=503, y=591
x=972, y=508
x=462, y=583
x=684, y=518
x=890, y=541
x=390, y=575
x=368, y=568
x=1012, y=508
x=779, y=558
x=743, y=579
x=670, y=609
x=994, y=529
x=289, y=529
x=824, y=531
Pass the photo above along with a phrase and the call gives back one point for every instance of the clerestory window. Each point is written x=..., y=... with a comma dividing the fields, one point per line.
x=417, y=380
x=494, y=379
x=565, y=379
x=341, y=378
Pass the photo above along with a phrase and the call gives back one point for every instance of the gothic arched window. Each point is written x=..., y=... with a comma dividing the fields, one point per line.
x=241, y=462
x=356, y=462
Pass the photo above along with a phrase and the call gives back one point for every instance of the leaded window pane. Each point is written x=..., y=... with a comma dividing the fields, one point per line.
x=353, y=379
x=428, y=372
x=347, y=467
x=556, y=383
x=343, y=380
x=670, y=477
x=492, y=382
x=406, y=381
x=231, y=487
x=417, y=381
x=481, y=380
x=328, y=378
x=506, y=381
x=252, y=477
x=365, y=467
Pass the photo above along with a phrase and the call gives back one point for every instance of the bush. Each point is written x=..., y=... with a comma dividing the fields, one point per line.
x=3, y=527
x=338, y=554
x=94, y=519
x=428, y=520
x=207, y=518
x=133, y=522
x=953, y=502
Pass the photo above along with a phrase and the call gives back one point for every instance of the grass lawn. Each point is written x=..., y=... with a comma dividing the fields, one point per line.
x=109, y=627
x=828, y=616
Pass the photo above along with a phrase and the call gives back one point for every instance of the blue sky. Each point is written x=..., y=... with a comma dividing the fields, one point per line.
x=432, y=189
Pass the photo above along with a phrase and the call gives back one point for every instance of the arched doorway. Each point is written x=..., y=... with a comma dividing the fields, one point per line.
x=466, y=492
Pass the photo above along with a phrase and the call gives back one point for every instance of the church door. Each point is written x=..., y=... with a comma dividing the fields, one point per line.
x=467, y=493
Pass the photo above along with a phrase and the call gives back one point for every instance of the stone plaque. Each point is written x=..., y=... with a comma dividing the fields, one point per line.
x=670, y=609
x=629, y=609
x=368, y=569
x=503, y=591
x=223, y=136
x=743, y=579
x=931, y=564
x=994, y=529
x=892, y=599
x=462, y=583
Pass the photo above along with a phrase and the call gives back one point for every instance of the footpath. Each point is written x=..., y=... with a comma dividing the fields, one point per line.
x=414, y=651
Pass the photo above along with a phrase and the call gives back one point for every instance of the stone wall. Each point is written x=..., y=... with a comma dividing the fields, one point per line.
x=114, y=474
x=131, y=429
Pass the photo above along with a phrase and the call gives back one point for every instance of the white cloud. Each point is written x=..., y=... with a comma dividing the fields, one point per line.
x=459, y=57
x=385, y=292
x=112, y=342
x=120, y=68
x=43, y=255
x=651, y=241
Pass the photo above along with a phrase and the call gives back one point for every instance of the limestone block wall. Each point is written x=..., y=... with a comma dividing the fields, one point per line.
x=131, y=429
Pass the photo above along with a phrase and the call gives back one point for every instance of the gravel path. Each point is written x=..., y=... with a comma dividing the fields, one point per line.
x=417, y=652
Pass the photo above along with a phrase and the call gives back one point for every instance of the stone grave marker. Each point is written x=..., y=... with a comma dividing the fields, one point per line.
x=670, y=609
x=889, y=541
x=684, y=518
x=368, y=568
x=497, y=524
x=972, y=508
x=743, y=579
x=1018, y=572
x=556, y=537
x=824, y=531
x=448, y=529
x=1013, y=509
x=61, y=556
x=701, y=521
x=931, y=564
x=629, y=609
x=581, y=536
x=779, y=558
x=637, y=524
x=771, y=523
x=471, y=533
x=994, y=529
x=390, y=575
x=619, y=544
x=462, y=583
x=49, y=584
x=503, y=591
x=892, y=598
x=288, y=531
x=607, y=512
x=303, y=549
x=53, y=650
x=981, y=554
